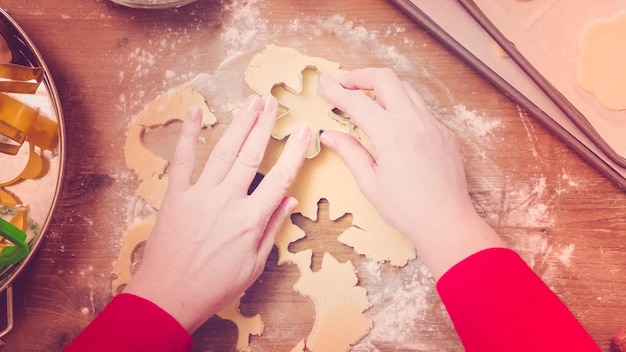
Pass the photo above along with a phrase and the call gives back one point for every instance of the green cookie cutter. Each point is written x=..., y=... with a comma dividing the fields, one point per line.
x=18, y=251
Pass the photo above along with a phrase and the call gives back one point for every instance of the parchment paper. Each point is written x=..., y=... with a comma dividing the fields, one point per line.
x=546, y=33
x=450, y=22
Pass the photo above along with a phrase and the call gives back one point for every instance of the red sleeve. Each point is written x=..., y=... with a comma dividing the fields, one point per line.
x=497, y=303
x=131, y=323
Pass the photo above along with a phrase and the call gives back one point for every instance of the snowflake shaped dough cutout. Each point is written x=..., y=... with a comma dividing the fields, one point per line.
x=306, y=105
x=324, y=176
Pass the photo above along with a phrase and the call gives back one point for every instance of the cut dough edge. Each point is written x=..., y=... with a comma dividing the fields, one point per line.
x=150, y=170
x=326, y=176
x=369, y=235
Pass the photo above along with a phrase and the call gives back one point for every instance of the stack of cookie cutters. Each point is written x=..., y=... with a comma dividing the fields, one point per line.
x=30, y=123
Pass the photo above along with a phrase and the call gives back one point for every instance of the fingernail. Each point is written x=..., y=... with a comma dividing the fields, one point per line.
x=194, y=114
x=327, y=140
x=269, y=103
x=301, y=132
x=290, y=204
x=253, y=102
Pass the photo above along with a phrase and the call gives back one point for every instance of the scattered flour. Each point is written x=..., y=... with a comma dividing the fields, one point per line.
x=565, y=255
x=143, y=62
x=522, y=205
x=244, y=30
x=400, y=303
x=356, y=37
x=530, y=133
x=526, y=207
x=570, y=182
x=474, y=123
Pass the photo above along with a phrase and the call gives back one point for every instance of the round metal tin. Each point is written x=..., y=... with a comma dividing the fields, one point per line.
x=153, y=4
x=40, y=195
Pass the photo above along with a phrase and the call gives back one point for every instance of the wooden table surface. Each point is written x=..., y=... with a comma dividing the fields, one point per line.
x=563, y=216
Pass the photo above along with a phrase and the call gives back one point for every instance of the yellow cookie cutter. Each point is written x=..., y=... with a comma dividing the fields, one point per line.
x=19, y=79
x=18, y=73
x=19, y=122
x=20, y=217
x=33, y=169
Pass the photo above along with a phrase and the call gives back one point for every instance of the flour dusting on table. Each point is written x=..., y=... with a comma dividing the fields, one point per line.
x=522, y=206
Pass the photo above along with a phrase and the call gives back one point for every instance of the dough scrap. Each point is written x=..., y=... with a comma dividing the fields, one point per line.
x=150, y=170
x=246, y=326
x=339, y=303
x=135, y=235
x=152, y=190
x=278, y=64
x=600, y=65
x=339, y=306
x=157, y=113
x=142, y=161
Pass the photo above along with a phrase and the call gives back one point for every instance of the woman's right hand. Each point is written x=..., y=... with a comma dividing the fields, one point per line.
x=414, y=174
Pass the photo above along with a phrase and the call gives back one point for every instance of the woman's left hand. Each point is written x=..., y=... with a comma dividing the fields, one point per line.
x=211, y=239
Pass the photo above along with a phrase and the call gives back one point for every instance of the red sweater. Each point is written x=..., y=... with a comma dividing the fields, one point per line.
x=494, y=299
x=132, y=324
x=497, y=303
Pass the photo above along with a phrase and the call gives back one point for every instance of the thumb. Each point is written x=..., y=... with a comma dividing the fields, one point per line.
x=358, y=159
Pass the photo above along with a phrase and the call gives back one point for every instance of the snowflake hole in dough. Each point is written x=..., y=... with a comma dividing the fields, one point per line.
x=333, y=286
x=319, y=231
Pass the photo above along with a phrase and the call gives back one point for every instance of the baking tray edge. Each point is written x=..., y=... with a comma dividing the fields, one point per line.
x=466, y=56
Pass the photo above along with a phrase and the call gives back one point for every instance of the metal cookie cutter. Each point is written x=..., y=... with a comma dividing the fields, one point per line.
x=20, y=73
x=19, y=122
x=19, y=70
x=31, y=130
x=306, y=105
x=153, y=4
x=11, y=254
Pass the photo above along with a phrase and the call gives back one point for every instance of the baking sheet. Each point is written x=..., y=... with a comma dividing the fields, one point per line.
x=448, y=21
x=545, y=33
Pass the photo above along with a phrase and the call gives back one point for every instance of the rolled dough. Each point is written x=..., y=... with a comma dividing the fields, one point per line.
x=150, y=170
x=601, y=64
x=340, y=304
